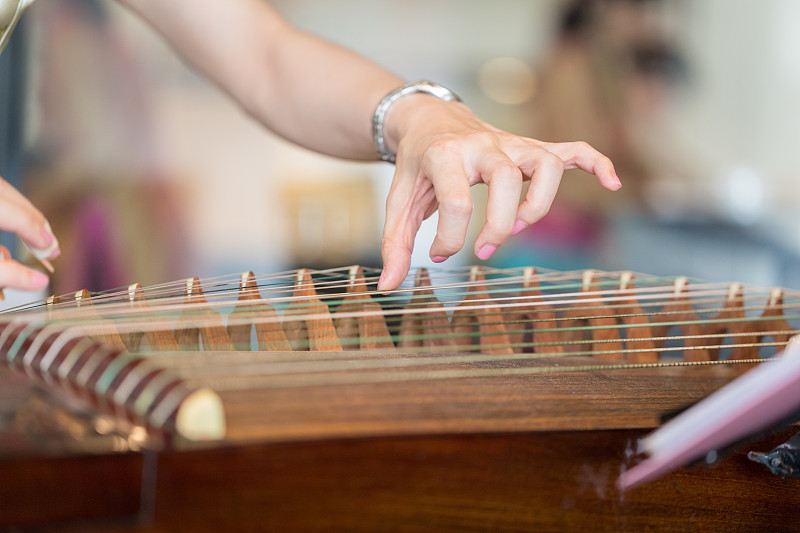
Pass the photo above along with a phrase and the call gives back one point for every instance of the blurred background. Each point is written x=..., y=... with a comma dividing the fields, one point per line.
x=148, y=174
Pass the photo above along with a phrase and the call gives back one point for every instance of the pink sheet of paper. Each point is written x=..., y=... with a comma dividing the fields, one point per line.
x=760, y=398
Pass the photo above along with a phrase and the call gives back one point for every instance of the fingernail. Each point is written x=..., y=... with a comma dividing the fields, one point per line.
x=619, y=183
x=518, y=226
x=439, y=259
x=380, y=280
x=486, y=251
x=47, y=233
x=56, y=253
x=39, y=279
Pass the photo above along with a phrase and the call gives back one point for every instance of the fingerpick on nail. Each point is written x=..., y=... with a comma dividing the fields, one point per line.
x=518, y=227
x=486, y=251
x=47, y=234
x=50, y=251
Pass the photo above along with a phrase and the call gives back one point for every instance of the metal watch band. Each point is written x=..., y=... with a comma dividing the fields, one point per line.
x=420, y=86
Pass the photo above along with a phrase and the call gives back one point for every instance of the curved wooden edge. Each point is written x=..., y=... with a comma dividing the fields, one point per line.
x=114, y=381
x=201, y=416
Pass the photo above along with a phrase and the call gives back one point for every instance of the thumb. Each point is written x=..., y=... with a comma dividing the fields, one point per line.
x=396, y=257
x=399, y=231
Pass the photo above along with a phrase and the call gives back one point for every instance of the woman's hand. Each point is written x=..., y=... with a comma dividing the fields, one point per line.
x=442, y=150
x=19, y=216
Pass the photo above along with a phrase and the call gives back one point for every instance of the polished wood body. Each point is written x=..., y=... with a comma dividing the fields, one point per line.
x=544, y=456
x=541, y=481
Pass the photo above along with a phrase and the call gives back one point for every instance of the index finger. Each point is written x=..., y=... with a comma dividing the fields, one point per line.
x=404, y=215
x=455, y=209
x=582, y=155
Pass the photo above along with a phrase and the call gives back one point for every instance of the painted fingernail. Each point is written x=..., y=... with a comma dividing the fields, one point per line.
x=486, y=251
x=439, y=259
x=518, y=226
x=39, y=279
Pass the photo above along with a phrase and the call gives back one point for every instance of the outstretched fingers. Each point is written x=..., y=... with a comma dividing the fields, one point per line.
x=441, y=177
x=582, y=155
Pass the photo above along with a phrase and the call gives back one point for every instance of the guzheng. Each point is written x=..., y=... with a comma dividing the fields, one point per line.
x=468, y=399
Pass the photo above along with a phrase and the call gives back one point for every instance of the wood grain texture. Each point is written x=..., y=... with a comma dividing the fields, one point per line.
x=159, y=336
x=314, y=330
x=483, y=327
x=201, y=325
x=70, y=492
x=427, y=328
x=255, y=313
x=539, y=481
x=569, y=400
x=367, y=331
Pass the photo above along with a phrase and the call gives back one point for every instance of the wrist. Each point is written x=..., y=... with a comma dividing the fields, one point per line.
x=395, y=113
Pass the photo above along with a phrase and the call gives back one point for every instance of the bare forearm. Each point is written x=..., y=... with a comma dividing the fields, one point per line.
x=307, y=90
